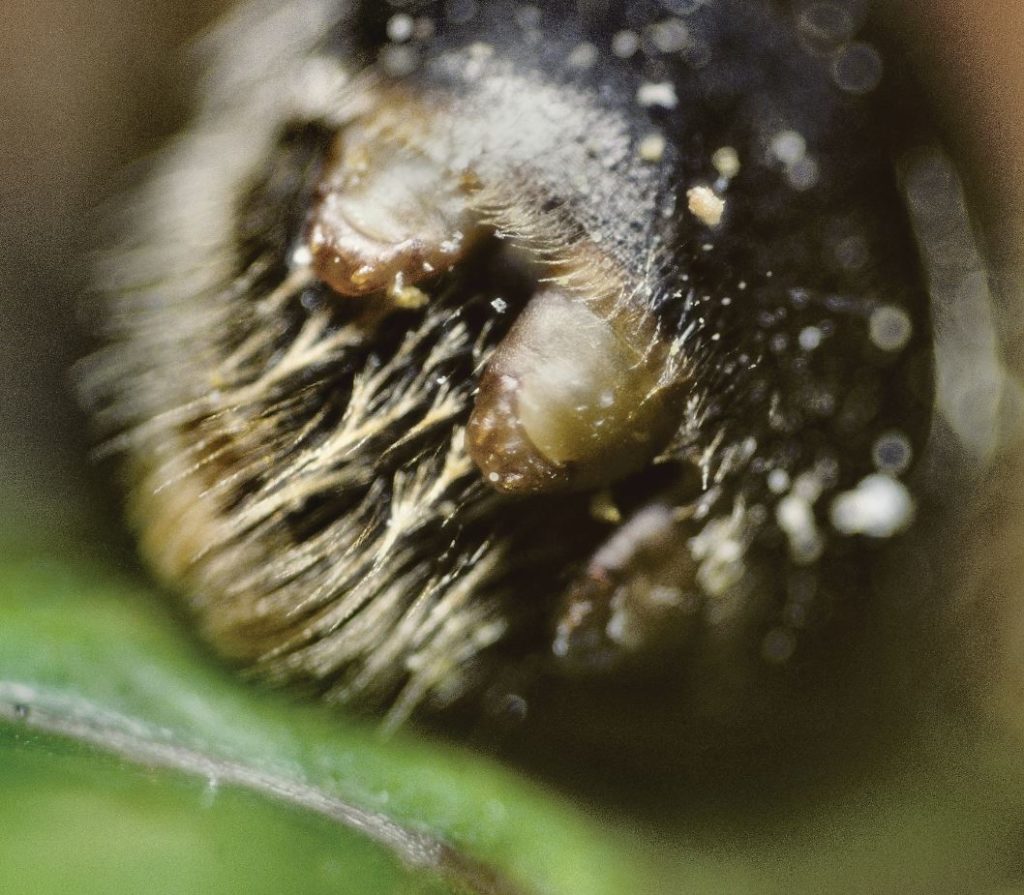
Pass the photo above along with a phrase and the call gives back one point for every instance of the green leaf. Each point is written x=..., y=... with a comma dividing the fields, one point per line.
x=129, y=762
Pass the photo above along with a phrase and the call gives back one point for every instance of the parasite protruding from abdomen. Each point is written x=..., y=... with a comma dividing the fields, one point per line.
x=572, y=398
x=387, y=213
x=581, y=391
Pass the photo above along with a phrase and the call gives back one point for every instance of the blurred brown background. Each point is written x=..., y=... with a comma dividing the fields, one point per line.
x=85, y=89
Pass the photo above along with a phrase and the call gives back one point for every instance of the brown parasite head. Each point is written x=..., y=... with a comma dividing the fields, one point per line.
x=460, y=345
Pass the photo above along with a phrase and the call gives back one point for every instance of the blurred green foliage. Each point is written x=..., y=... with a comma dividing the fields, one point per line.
x=73, y=816
x=96, y=645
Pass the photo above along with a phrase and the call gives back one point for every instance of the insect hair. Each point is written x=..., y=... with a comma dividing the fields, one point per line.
x=297, y=462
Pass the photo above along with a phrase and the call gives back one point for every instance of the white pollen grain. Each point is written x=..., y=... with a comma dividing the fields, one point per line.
x=669, y=36
x=789, y=147
x=652, y=148
x=890, y=328
x=809, y=338
x=795, y=517
x=400, y=27
x=726, y=161
x=705, y=205
x=625, y=44
x=778, y=481
x=583, y=56
x=879, y=507
x=660, y=94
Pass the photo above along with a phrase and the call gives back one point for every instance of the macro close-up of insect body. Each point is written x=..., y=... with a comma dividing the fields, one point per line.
x=462, y=351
